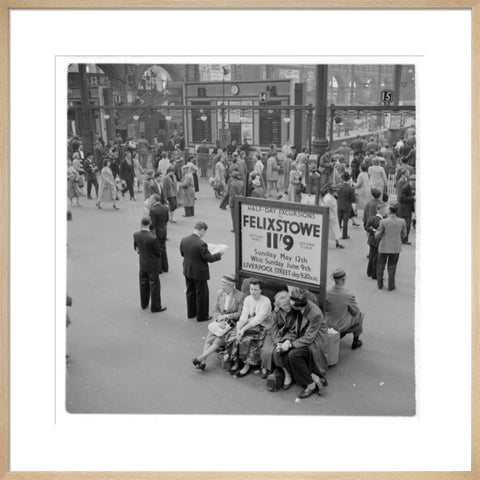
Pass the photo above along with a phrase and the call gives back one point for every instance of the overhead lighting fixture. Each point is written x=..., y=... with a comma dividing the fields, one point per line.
x=106, y=116
x=203, y=118
x=168, y=117
x=136, y=117
x=286, y=119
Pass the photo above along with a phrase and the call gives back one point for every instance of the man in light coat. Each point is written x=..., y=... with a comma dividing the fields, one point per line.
x=391, y=232
x=341, y=309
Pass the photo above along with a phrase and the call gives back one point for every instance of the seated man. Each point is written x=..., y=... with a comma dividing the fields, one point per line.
x=342, y=311
x=303, y=356
x=226, y=312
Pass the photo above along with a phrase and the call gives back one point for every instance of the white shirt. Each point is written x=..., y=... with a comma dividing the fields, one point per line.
x=254, y=311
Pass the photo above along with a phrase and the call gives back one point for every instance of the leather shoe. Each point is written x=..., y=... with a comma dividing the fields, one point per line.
x=196, y=361
x=204, y=319
x=307, y=392
x=356, y=344
x=287, y=386
x=161, y=309
x=242, y=374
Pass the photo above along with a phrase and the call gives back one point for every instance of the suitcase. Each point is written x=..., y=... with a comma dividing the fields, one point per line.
x=333, y=347
x=275, y=380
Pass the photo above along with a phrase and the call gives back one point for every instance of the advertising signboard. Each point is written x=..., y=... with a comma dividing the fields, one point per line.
x=284, y=242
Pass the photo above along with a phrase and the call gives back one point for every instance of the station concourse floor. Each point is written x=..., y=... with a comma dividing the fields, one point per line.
x=124, y=360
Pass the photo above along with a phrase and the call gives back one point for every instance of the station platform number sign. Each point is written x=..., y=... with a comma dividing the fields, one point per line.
x=263, y=97
x=387, y=96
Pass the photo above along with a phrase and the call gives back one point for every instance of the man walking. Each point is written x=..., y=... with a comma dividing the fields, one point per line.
x=196, y=258
x=203, y=155
x=159, y=217
x=342, y=311
x=371, y=227
x=149, y=250
x=346, y=197
x=391, y=232
x=127, y=173
x=236, y=188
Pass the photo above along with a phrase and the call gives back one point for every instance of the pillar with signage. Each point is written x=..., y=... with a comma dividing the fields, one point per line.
x=282, y=243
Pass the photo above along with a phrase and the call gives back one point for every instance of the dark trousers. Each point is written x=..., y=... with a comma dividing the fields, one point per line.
x=203, y=166
x=225, y=200
x=391, y=260
x=343, y=218
x=92, y=181
x=297, y=361
x=408, y=221
x=163, y=254
x=372, y=262
x=150, y=290
x=197, y=298
x=129, y=187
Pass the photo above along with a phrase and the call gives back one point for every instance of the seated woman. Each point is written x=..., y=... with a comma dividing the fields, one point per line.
x=226, y=313
x=303, y=356
x=244, y=343
x=279, y=332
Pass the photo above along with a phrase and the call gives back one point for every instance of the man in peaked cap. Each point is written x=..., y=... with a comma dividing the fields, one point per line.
x=341, y=309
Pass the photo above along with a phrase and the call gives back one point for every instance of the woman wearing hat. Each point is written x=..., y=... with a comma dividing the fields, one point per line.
x=362, y=188
x=294, y=184
x=278, y=333
x=302, y=355
x=226, y=312
x=328, y=200
x=257, y=190
x=186, y=191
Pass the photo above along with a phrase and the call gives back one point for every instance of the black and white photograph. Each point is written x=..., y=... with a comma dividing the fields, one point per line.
x=241, y=238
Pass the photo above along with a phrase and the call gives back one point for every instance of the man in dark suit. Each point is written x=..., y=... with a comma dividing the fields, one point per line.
x=159, y=218
x=341, y=309
x=371, y=206
x=346, y=197
x=371, y=227
x=149, y=250
x=127, y=173
x=391, y=232
x=196, y=258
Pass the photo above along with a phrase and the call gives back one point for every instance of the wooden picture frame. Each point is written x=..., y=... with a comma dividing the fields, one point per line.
x=5, y=8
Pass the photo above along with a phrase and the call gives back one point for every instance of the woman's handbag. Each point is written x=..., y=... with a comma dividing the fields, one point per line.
x=80, y=181
x=275, y=380
x=219, y=329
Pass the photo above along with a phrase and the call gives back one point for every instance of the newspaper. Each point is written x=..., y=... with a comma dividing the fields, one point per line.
x=216, y=248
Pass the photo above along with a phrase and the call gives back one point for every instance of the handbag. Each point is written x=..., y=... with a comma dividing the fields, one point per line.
x=219, y=329
x=275, y=380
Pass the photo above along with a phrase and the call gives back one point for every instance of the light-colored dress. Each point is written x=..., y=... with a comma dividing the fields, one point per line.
x=294, y=180
x=329, y=201
x=249, y=347
x=108, y=189
x=378, y=178
x=363, y=190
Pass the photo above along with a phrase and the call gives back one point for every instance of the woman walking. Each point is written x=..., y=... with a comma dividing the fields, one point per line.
x=186, y=191
x=328, y=200
x=108, y=189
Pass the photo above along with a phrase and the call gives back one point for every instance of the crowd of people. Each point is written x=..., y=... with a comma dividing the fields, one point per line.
x=282, y=335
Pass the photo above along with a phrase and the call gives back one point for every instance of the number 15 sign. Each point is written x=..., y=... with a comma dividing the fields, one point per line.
x=282, y=240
